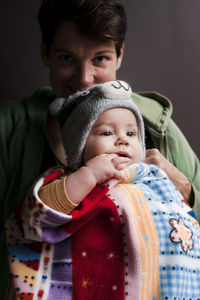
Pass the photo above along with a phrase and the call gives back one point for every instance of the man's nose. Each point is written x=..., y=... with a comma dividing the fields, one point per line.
x=86, y=75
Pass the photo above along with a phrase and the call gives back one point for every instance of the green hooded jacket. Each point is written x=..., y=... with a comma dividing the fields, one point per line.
x=24, y=134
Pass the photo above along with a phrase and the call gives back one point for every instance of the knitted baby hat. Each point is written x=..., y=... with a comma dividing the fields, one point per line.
x=79, y=112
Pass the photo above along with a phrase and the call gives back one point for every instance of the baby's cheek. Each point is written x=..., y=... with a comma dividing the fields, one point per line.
x=137, y=153
x=99, y=148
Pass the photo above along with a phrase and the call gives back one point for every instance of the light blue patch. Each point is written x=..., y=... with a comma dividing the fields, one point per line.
x=154, y=298
x=146, y=238
x=140, y=201
x=130, y=169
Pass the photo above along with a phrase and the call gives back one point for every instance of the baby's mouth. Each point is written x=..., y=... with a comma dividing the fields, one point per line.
x=123, y=154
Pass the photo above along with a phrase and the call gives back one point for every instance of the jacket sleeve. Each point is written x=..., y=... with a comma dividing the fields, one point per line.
x=10, y=121
x=55, y=196
x=182, y=156
x=21, y=149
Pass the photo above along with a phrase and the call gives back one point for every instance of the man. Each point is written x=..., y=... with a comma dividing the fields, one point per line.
x=82, y=45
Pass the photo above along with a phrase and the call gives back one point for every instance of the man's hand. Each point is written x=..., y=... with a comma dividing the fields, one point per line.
x=106, y=166
x=153, y=156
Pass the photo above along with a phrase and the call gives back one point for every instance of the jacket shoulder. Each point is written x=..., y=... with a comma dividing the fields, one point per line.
x=32, y=107
x=155, y=108
x=36, y=105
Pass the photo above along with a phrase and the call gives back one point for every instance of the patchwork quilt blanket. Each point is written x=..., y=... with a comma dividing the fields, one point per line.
x=132, y=240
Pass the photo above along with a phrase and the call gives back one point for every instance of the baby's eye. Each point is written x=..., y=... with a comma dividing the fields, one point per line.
x=106, y=133
x=130, y=133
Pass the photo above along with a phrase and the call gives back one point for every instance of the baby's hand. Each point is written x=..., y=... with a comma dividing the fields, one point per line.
x=106, y=166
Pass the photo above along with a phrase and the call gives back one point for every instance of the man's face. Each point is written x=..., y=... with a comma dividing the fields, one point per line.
x=77, y=63
x=115, y=131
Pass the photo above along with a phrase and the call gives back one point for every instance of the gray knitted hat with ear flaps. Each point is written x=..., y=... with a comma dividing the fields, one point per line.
x=80, y=111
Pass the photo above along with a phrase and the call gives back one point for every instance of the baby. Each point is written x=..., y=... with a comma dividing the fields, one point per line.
x=108, y=226
x=103, y=133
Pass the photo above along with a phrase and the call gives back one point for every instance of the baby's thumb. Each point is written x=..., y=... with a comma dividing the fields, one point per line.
x=120, y=176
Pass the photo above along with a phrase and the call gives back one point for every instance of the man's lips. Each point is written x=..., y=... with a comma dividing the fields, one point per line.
x=69, y=88
x=74, y=89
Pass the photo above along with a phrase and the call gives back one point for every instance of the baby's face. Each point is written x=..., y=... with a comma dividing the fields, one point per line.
x=115, y=131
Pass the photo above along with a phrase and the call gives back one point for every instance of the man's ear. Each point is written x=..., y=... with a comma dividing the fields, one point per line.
x=120, y=57
x=44, y=54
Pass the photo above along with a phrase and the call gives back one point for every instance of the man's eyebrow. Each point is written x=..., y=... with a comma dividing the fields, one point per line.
x=63, y=50
x=96, y=53
x=104, y=51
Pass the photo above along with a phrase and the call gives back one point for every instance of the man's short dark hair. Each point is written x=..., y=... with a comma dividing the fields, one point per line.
x=100, y=20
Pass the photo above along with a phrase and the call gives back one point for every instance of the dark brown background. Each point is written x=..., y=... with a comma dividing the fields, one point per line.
x=162, y=54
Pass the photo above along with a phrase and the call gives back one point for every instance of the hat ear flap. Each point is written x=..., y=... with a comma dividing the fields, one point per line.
x=56, y=106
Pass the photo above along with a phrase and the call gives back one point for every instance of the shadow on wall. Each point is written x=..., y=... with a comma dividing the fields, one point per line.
x=161, y=53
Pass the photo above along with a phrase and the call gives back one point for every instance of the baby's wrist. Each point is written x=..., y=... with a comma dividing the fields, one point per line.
x=89, y=174
x=79, y=184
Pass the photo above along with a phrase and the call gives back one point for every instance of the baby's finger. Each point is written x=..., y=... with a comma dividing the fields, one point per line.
x=118, y=175
x=122, y=166
x=111, y=156
x=117, y=161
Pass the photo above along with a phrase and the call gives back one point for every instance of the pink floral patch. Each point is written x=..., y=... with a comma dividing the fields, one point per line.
x=181, y=234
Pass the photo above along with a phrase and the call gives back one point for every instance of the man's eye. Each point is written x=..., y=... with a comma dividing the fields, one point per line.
x=99, y=59
x=65, y=58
